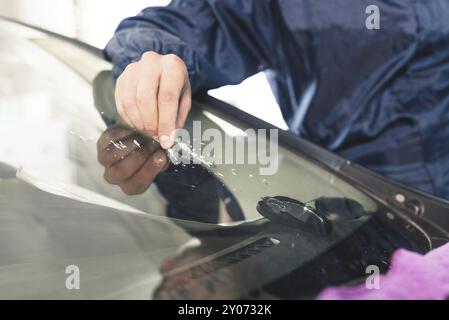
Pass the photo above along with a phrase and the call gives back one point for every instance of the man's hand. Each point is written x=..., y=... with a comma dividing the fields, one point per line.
x=154, y=95
x=131, y=160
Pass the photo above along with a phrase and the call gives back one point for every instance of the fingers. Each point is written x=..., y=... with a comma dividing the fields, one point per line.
x=146, y=99
x=119, y=89
x=119, y=149
x=126, y=167
x=143, y=178
x=154, y=95
x=131, y=160
x=184, y=107
x=172, y=83
x=115, y=133
x=128, y=97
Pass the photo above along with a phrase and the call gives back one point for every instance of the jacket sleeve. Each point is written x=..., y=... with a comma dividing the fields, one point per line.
x=221, y=41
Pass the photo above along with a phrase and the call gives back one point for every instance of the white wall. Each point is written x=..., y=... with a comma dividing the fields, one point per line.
x=92, y=21
x=97, y=19
x=57, y=15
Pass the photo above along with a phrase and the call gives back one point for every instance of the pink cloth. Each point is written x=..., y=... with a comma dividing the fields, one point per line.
x=411, y=277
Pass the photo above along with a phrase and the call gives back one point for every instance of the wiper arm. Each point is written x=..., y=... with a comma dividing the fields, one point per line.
x=295, y=214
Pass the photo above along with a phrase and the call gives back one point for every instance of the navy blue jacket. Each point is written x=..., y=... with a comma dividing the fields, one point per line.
x=377, y=97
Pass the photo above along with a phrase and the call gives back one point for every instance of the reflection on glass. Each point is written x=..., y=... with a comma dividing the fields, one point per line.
x=222, y=193
x=133, y=161
x=77, y=187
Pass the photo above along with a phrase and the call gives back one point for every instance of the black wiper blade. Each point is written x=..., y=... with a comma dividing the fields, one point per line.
x=295, y=214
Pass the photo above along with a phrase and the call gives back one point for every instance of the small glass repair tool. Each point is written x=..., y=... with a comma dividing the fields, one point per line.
x=181, y=153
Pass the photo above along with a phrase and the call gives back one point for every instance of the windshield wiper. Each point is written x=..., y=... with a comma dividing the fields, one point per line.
x=295, y=214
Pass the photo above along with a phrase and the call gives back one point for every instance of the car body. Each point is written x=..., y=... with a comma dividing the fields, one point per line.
x=58, y=214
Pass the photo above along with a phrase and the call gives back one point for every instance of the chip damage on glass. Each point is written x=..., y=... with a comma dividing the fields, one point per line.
x=294, y=213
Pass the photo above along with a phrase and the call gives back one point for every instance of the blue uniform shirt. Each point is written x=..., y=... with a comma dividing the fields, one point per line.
x=377, y=97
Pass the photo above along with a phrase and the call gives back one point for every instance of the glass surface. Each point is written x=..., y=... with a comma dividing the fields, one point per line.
x=62, y=143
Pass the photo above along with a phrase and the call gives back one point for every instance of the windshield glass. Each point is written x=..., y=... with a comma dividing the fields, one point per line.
x=56, y=100
x=64, y=149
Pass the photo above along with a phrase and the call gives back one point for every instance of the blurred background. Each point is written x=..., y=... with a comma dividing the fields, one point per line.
x=94, y=22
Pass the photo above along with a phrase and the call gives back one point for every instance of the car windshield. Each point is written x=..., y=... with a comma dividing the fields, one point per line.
x=51, y=110
x=59, y=126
